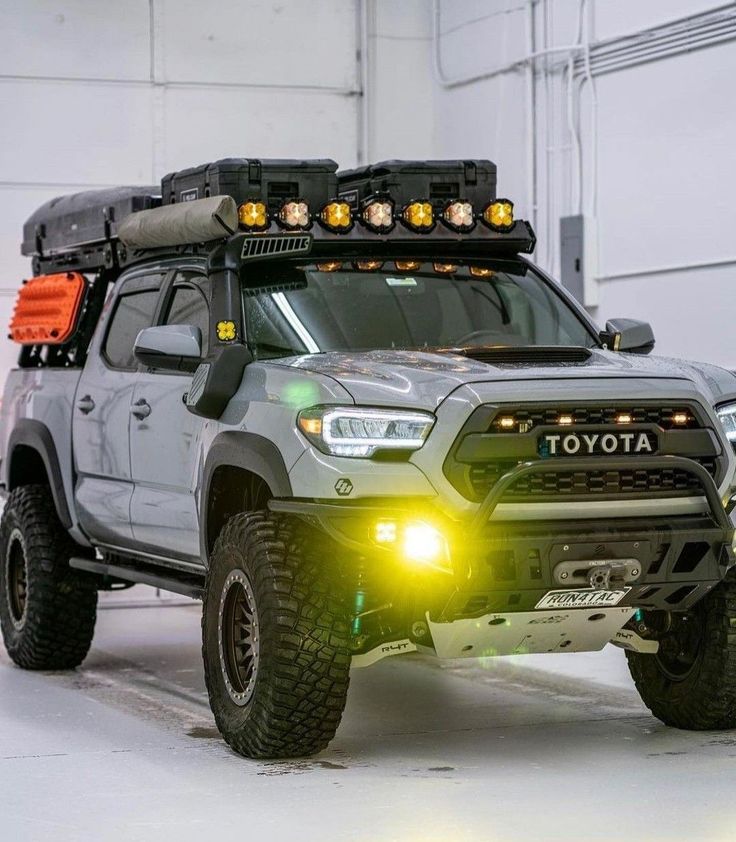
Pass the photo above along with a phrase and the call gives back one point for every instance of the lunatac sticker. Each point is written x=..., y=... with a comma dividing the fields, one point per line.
x=582, y=598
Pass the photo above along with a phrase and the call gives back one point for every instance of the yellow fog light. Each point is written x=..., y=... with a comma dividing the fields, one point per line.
x=253, y=216
x=424, y=545
x=378, y=215
x=459, y=216
x=499, y=215
x=385, y=532
x=294, y=215
x=226, y=331
x=418, y=216
x=336, y=216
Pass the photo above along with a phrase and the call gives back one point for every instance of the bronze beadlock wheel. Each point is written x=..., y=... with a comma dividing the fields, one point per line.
x=238, y=637
x=16, y=576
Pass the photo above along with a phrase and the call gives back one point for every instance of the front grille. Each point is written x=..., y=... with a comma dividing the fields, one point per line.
x=477, y=476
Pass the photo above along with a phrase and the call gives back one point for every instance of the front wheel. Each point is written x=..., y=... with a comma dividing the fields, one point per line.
x=691, y=682
x=275, y=637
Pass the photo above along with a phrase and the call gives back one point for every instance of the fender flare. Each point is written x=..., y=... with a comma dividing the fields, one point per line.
x=35, y=434
x=251, y=452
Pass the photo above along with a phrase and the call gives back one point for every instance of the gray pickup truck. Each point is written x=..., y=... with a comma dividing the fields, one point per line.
x=348, y=413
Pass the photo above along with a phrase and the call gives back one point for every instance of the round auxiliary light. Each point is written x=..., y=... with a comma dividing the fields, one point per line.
x=418, y=216
x=336, y=216
x=378, y=215
x=253, y=216
x=294, y=214
x=499, y=215
x=459, y=216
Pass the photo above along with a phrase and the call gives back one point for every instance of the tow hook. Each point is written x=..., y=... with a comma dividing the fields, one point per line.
x=600, y=574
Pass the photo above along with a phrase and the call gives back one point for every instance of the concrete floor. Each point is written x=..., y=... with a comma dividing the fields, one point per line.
x=537, y=748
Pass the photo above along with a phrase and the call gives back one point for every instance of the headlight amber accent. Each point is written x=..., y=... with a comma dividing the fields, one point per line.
x=499, y=215
x=459, y=216
x=419, y=216
x=294, y=215
x=378, y=215
x=253, y=216
x=226, y=331
x=337, y=217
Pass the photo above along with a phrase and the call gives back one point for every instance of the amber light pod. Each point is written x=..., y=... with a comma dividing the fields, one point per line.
x=378, y=215
x=47, y=309
x=294, y=214
x=367, y=265
x=481, y=272
x=418, y=216
x=407, y=265
x=253, y=216
x=337, y=217
x=329, y=266
x=499, y=215
x=459, y=216
x=445, y=268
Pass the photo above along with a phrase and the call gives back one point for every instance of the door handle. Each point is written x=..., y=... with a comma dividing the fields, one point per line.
x=141, y=409
x=85, y=405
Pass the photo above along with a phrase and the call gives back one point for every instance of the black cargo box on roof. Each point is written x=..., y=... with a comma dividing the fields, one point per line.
x=407, y=181
x=81, y=219
x=272, y=181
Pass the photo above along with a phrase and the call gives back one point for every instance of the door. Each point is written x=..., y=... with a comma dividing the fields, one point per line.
x=102, y=411
x=165, y=437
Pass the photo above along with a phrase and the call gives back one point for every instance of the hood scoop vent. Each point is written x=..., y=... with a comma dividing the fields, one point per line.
x=527, y=355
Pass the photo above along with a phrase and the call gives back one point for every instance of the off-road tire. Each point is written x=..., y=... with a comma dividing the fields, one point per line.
x=705, y=699
x=55, y=629
x=297, y=694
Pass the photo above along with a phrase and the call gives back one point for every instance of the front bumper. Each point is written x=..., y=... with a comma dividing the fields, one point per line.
x=508, y=566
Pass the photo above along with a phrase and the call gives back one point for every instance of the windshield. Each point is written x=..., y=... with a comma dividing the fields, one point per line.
x=406, y=305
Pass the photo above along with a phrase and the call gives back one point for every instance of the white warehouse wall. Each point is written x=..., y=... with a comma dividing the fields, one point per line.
x=662, y=151
x=96, y=93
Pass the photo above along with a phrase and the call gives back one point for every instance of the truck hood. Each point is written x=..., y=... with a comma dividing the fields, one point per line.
x=423, y=380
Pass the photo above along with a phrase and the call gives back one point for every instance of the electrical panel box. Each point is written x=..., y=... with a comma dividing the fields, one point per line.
x=578, y=258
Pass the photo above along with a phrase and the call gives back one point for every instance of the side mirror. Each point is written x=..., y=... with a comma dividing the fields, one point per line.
x=628, y=335
x=173, y=347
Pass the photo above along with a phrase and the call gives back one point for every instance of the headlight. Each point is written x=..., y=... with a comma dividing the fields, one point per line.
x=727, y=417
x=353, y=431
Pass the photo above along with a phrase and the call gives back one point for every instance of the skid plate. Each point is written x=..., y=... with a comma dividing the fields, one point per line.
x=528, y=632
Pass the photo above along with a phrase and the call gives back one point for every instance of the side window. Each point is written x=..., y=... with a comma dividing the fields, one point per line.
x=133, y=312
x=188, y=306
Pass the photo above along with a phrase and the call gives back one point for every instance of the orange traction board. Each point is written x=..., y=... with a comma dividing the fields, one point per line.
x=47, y=309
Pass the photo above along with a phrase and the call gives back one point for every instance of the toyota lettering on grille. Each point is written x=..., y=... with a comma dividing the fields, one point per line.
x=597, y=444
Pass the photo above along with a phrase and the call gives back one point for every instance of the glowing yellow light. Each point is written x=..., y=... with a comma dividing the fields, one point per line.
x=337, y=216
x=481, y=272
x=385, y=532
x=311, y=426
x=423, y=544
x=226, y=331
x=419, y=215
x=681, y=418
x=459, y=215
x=379, y=215
x=506, y=423
x=294, y=214
x=368, y=265
x=565, y=420
x=623, y=418
x=500, y=215
x=408, y=265
x=445, y=268
x=253, y=215
x=330, y=266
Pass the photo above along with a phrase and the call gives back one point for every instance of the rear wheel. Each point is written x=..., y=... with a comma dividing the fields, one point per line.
x=275, y=637
x=47, y=609
x=691, y=682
